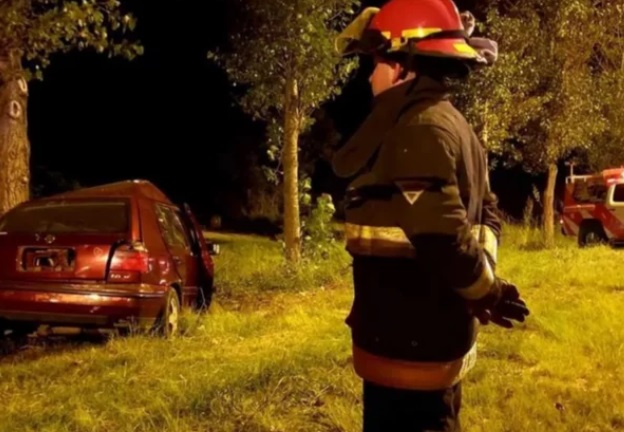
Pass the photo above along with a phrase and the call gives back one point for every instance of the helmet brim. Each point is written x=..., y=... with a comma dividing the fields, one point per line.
x=350, y=40
x=451, y=48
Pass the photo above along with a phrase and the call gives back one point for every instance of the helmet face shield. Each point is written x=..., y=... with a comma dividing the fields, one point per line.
x=356, y=38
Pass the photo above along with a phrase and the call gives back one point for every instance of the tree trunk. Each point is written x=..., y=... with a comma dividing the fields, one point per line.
x=290, y=160
x=14, y=144
x=549, y=205
x=486, y=126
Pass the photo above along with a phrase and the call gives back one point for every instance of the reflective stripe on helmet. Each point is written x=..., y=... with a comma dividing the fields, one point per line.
x=418, y=33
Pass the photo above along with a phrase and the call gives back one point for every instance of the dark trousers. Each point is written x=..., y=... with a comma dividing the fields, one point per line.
x=391, y=410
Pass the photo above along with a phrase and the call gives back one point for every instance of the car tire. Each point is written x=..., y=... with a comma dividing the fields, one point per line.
x=591, y=234
x=12, y=341
x=168, y=322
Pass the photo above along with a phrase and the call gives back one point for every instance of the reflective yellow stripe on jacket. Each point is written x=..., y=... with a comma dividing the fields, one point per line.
x=392, y=242
x=378, y=241
x=427, y=376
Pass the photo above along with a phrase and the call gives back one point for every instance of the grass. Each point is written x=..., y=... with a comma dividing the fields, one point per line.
x=253, y=265
x=280, y=360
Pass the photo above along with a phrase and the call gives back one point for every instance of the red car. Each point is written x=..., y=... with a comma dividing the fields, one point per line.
x=120, y=256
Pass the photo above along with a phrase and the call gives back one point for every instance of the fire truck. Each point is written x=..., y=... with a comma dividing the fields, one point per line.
x=593, y=207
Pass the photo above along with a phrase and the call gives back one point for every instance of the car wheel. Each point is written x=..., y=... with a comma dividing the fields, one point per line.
x=591, y=234
x=168, y=323
x=13, y=340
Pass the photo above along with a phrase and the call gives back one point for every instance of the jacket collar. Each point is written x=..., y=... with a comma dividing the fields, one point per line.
x=419, y=88
x=387, y=109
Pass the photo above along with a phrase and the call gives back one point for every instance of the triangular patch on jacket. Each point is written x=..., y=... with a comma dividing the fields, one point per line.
x=412, y=190
x=412, y=197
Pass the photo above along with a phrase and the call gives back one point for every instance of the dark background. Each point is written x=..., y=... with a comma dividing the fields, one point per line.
x=168, y=116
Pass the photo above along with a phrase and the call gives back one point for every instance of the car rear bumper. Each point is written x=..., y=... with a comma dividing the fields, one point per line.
x=83, y=305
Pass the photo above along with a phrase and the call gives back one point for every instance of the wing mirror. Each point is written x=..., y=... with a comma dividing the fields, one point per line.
x=214, y=249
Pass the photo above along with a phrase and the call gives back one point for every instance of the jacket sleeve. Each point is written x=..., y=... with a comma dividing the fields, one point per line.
x=488, y=232
x=430, y=211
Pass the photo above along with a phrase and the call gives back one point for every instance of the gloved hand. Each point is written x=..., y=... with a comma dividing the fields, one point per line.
x=501, y=306
x=487, y=48
x=469, y=22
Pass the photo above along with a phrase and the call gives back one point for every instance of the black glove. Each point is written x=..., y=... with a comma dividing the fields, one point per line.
x=501, y=306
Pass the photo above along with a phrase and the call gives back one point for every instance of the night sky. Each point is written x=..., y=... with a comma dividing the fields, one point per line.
x=135, y=119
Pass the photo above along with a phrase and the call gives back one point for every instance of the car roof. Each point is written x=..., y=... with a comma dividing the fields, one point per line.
x=133, y=189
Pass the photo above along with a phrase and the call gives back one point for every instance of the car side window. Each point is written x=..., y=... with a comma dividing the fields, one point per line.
x=618, y=193
x=589, y=193
x=180, y=234
x=171, y=226
x=165, y=227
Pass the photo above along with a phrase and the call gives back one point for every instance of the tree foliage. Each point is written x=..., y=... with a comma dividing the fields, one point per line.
x=282, y=54
x=35, y=30
x=610, y=145
x=541, y=100
x=31, y=33
x=552, y=93
x=273, y=40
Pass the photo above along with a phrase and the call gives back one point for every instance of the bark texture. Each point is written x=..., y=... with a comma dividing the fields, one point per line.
x=549, y=206
x=290, y=160
x=14, y=143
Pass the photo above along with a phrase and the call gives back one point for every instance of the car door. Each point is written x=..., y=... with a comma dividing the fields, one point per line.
x=614, y=219
x=201, y=247
x=180, y=247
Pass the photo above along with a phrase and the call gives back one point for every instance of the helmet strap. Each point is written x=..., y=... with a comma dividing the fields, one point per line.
x=413, y=84
x=409, y=62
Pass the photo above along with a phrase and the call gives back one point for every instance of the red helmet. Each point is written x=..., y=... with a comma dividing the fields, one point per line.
x=423, y=27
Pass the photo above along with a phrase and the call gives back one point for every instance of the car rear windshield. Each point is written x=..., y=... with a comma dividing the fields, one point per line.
x=68, y=217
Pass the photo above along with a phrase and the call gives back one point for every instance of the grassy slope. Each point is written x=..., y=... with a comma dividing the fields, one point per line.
x=280, y=361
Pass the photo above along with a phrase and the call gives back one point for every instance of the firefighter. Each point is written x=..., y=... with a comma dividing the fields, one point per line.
x=421, y=221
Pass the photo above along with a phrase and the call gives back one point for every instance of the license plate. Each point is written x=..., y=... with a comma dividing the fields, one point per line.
x=47, y=259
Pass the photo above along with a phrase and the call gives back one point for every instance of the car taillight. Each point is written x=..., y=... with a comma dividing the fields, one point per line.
x=129, y=261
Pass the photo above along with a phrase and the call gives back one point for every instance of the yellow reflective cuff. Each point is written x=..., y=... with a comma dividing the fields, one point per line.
x=482, y=286
x=487, y=239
